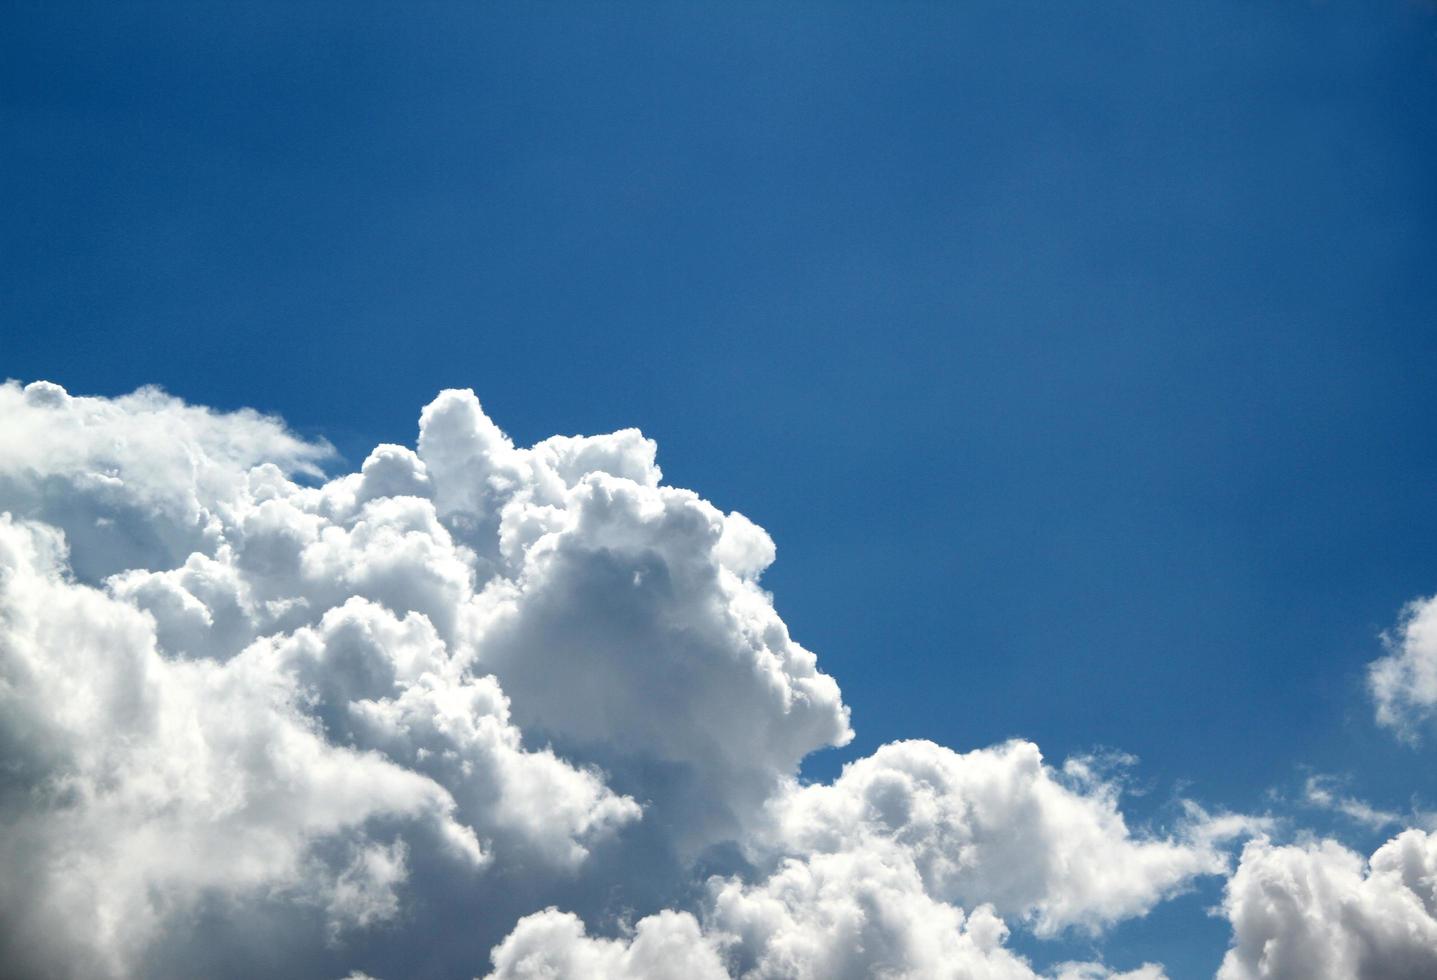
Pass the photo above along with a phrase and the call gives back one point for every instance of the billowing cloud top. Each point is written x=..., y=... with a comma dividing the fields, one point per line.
x=478, y=706
x=1404, y=683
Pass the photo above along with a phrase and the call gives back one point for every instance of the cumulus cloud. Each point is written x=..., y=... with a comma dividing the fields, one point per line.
x=254, y=720
x=865, y=913
x=1318, y=911
x=871, y=875
x=845, y=917
x=677, y=675
x=139, y=481
x=134, y=783
x=999, y=826
x=239, y=718
x=551, y=944
x=1404, y=683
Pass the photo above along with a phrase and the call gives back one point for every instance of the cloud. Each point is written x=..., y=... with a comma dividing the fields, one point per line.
x=240, y=719
x=677, y=673
x=870, y=875
x=139, y=481
x=473, y=702
x=644, y=599
x=1404, y=683
x=998, y=826
x=829, y=916
x=864, y=913
x=1318, y=911
x=549, y=945
x=133, y=784
x=1322, y=791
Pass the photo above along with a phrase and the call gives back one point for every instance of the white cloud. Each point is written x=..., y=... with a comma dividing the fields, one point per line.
x=472, y=692
x=138, y=481
x=678, y=677
x=864, y=913
x=552, y=945
x=1318, y=911
x=1404, y=683
x=365, y=892
x=1323, y=792
x=239, y=718
x=133, y=783
x=829, y=917
x=671, y=662
x=870, y=875
x=999, y=826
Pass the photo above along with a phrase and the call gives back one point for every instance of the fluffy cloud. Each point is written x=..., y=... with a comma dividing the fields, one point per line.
x=1404, y=683
x=839, y=916
x=139, y=481
x=285, y=709
x=999, y=826
x=866, y=913
x=678, y=676
x=472, y=695
x=1318, y=911
x=870, y=875
x=549, y=945
x=133, y=783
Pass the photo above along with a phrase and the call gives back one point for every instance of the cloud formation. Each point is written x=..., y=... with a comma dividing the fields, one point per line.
x=871, y=875
x=998, y=826
x=1324, y=792
x=1404, y=683
x=474, y=704
x=1318, y=911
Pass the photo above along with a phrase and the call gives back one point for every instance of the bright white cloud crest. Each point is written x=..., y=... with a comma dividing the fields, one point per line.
x=1318, y=911
x=1404, y=683
x=479, y=705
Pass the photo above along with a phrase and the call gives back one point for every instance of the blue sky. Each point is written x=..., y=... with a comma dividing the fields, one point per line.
x=1080, y=361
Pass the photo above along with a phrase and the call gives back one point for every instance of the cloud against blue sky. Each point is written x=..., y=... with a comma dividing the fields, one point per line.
x=486, y=706
x=1055, y=593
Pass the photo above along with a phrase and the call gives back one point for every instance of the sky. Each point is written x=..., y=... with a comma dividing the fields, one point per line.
x=1077, y=361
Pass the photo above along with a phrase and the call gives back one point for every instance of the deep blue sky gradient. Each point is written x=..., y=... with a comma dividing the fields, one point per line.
x=1081, y=359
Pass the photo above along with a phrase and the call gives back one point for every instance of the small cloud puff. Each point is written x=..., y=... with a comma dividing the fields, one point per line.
x=1404, y=683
